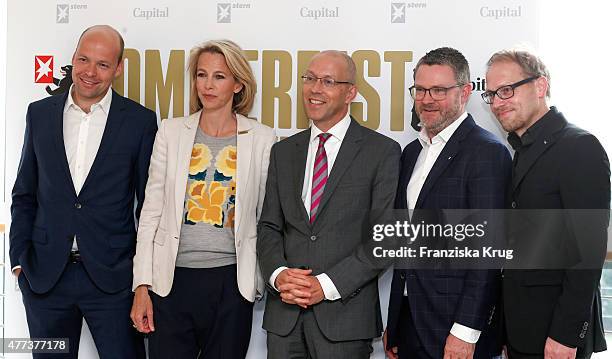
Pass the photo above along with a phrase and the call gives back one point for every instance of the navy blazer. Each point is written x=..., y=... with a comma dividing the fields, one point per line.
x=471, y=172
x=47, y=213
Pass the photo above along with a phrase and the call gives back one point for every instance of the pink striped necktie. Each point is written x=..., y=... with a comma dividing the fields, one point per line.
x=319, y=177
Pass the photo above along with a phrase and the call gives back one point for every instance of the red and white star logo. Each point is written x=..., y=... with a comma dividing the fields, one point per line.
x=43, y=69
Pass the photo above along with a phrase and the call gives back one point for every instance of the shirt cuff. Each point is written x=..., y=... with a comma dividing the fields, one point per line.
x=15, y=268
x=274, y=275
x=329, y=289
x=464, y=333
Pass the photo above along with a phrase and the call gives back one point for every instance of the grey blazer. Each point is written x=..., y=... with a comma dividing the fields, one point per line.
x=364, y=177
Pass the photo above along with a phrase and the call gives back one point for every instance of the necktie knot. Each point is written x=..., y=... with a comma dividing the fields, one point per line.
x=323, y=137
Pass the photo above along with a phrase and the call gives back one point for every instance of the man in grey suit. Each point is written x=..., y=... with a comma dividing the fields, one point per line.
x=314, y=227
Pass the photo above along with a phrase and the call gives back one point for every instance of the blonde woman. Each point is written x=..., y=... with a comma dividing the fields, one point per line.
x=195, y=270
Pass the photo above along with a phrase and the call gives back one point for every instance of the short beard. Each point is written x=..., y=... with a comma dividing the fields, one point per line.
x=447, y=117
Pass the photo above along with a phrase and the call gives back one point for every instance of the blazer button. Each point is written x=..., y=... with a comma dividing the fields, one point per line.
x=513, y=204
x=77, y=206
x=313, y=238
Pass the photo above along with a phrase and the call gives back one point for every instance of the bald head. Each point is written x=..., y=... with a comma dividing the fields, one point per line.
x=349, y=68
x=105, y=31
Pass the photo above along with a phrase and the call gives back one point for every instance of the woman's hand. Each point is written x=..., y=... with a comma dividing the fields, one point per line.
x=142, y=310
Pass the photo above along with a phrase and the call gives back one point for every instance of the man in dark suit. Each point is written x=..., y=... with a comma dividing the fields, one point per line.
x=85, y=158
x=454, y=164
x=322, y=184
x=554, y=313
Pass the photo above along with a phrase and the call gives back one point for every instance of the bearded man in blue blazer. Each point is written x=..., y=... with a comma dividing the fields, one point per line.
x=453, y=165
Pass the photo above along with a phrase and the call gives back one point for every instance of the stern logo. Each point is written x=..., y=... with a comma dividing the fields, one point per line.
x=62, y=13
x=399, y=10
x=224, y=13
x=398, y=13
x=43, y=69
x=43, y=74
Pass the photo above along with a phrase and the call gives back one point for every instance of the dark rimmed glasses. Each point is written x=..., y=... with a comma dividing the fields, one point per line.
x=505, y=92
x=437, y=93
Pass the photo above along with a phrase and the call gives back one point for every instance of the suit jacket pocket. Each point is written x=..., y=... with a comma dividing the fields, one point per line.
x=160, y=237
x=448, y=285
x=353, y=184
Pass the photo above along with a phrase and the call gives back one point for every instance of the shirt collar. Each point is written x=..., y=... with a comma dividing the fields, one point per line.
x=338, y=130
x=539, y=128
x=104, y=104
x=444, y=135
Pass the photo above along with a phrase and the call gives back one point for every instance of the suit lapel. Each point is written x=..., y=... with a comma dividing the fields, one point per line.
x=536, y=150
x=452, y=147
x=113, y=124
x=58, y=136
x=298, y=169
x=406, y=172
x=185, y=146
x=348, y=150
x=244, y=148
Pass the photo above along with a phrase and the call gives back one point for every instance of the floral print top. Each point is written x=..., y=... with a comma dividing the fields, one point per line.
x=208, y=221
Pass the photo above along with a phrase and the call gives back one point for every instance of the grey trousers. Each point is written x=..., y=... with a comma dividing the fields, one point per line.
x=307, y=342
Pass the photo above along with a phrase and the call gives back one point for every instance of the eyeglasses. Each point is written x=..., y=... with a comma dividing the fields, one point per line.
x=505, y=92
x=436, y=93
x=326, y=81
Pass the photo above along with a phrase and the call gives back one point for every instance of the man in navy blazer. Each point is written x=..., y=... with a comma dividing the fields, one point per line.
x=84, y=160
x=454, y=164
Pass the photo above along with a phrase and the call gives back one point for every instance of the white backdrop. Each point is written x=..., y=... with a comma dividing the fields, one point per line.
x=385, y=37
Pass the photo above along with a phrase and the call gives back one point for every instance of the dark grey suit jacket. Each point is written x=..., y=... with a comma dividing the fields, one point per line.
x=364, y=177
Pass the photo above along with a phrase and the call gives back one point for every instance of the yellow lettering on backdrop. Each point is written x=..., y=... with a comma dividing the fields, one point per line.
x=159, y=90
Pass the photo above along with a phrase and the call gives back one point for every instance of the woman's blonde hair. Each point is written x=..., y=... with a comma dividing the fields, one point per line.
x=238, y=66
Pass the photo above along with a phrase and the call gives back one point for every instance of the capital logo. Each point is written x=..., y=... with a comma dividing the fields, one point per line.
x=501, y=13
x=398, y=13
x=62, y=13
x=43, y=69
x=224, y=13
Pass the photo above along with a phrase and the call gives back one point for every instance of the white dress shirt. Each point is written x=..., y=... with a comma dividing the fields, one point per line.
x=427, y=158
x=332, y=146
x=82, y=136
